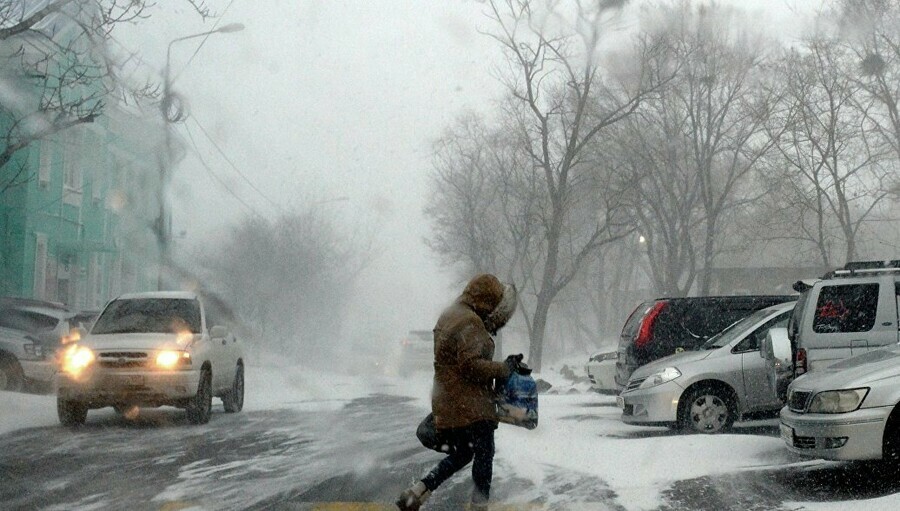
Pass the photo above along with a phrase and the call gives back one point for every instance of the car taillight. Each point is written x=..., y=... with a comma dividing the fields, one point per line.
x=645, y=332
x=800, y=366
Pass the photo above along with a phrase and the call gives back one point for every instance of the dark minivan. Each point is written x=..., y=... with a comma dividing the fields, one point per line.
x=664, y=326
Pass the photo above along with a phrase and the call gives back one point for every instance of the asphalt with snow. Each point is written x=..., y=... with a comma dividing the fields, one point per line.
x=328, y=453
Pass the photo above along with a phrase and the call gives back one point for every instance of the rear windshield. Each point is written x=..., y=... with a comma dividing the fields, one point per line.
x=27, y=321
x=149, y=315
x=634, y=320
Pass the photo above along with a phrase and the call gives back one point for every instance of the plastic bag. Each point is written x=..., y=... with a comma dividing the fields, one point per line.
x=517, y=402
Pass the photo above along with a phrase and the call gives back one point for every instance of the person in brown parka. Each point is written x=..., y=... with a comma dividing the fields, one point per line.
x=462, y=399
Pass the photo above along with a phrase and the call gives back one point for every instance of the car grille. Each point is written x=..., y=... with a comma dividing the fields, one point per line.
x=123, y=359
x=633, y=384
x=798, y=401
x=805, y=442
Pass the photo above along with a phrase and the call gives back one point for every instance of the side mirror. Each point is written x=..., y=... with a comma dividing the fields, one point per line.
x=779, y=360
x=218, y=332
x=779, y=343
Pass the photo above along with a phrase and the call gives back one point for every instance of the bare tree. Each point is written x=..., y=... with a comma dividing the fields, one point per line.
x=722, y=89
x=664, y=203
x=288, y=280
x=560, y=99
x=872, y=30
x=56, y=71
x=832, y=177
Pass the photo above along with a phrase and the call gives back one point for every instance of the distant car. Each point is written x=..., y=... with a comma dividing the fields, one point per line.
x=601, y=371
x=706, y=390
x=31, y=333
x=152, y=349
x=416, y=352
x=664, y=326
x=847, y=411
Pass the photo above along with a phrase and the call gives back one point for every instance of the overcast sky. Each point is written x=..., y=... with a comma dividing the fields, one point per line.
x=320, y=100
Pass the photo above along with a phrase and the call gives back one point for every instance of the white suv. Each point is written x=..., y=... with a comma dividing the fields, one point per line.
x=152, y=349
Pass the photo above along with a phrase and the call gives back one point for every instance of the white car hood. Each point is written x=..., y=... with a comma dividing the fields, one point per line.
x=858, y=371
x=670, y=361
x=142, y=341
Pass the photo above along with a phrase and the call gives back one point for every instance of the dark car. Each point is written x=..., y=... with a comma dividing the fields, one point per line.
x=664, y=326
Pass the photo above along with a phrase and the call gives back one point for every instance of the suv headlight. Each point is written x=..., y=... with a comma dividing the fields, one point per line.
x=837, y=401
x=172, y=359
x=658, y=378
x=76, y=359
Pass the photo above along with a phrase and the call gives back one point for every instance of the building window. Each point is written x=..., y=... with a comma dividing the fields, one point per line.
x=46, y=161
x=73, y=179
x=40, y=266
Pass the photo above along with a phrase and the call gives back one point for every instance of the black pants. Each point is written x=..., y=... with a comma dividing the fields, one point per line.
x=473, y=441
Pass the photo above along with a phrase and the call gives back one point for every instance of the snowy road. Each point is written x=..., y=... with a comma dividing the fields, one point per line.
x=301, y=454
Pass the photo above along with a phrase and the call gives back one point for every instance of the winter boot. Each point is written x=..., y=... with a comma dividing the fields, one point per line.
x=413, y=497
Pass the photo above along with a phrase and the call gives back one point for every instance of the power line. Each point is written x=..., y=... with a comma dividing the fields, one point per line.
x=203, y=41
x=216, y=176
x=233, y=165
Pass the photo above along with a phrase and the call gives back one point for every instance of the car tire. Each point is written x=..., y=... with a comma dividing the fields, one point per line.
x=71, y=413
x=890, y=447
x=199, y=408
x=707, y=410
x=11, y=376
x=233, y=400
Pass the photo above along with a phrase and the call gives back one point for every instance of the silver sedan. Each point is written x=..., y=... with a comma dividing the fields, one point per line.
x=705, y=391
x=848, y=411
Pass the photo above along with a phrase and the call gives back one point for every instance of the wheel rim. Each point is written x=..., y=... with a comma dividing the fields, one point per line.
x=709, y=413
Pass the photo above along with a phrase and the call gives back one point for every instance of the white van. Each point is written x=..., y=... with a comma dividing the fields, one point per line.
x=849, y=311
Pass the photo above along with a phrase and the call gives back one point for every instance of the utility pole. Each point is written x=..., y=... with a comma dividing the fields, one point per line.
x=173, y=111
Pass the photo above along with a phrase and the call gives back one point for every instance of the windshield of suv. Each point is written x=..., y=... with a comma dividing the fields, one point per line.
x=734, y=331
x=149, y=315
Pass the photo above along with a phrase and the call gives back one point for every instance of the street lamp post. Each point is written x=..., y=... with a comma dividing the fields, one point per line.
x=172, y=111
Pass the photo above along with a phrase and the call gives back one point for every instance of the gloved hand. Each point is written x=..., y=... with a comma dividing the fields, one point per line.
x=513, y=362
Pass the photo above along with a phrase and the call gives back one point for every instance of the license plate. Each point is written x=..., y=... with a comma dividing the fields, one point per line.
x=787, y=433
x=132, y=379
x=620, y=402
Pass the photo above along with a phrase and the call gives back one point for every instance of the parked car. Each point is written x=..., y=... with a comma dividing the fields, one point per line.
x=601, y=371
x=848, y=312
x=31, y=332
x=664, y=326
x=152, y=349
x=847, y=411
x=706, y=390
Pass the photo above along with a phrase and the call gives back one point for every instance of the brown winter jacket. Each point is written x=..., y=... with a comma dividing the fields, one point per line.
x=463, y=351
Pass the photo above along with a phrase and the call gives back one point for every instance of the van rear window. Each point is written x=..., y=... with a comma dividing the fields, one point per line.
x=634, y=320
x=846, y=308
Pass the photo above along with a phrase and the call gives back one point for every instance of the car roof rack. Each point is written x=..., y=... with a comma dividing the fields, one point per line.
x=856, y=268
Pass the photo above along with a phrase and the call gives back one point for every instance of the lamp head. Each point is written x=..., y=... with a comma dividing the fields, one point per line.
x=231, y=27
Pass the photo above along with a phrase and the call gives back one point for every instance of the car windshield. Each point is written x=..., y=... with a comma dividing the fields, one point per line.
x=734, y=331
x=149, y=315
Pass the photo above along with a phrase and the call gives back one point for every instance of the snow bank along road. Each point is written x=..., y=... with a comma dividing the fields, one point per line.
x=327, y=442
